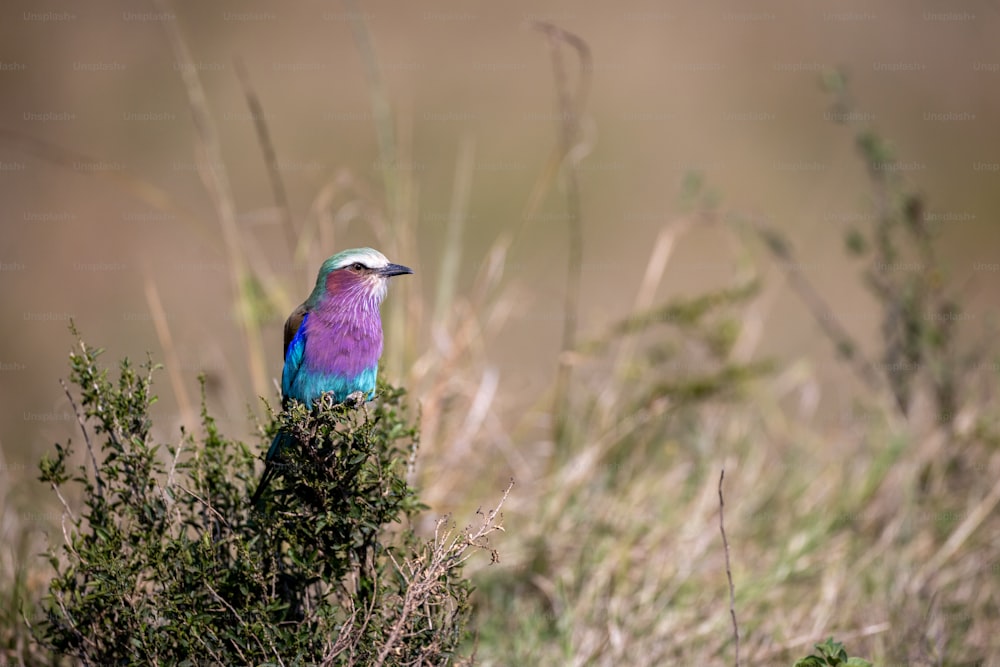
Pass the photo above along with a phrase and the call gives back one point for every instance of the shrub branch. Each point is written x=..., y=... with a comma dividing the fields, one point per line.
x=729, y=572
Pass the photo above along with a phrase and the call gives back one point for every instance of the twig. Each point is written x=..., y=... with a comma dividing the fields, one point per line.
x=568, y=113
x=270, y=155
x=62, y=499
x=86, y=439
x=346, y=639
x=350, y=635
x=729, y=572
x=207, y=505
x=445, y=552
x=819, y=309
x=239, y=618
x=84, y=639
x=208, y=647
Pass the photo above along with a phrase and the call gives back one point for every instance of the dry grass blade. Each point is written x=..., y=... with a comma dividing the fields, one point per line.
x=958, y=537
x=451, y=259
x=270, y=155
x=216, y=180
x=381, y=110
x=569, y=107
x=173, y=366
x=318, y=220
x=663, y=249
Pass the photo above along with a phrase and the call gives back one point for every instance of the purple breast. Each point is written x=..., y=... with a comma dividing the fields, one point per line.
x=342, y=343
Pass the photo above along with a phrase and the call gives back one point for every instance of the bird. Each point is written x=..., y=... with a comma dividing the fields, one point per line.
x=333, y=341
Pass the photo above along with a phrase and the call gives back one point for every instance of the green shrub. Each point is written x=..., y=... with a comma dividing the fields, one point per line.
x=830, y=653
x=167, y=562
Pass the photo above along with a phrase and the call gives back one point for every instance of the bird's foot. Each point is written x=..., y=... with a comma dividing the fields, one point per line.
x=327, y=400
x=355, y=399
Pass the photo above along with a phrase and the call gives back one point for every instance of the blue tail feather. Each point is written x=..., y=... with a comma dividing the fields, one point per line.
x=281, y=441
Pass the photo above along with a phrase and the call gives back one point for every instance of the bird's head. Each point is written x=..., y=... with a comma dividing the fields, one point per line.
x=360, y=275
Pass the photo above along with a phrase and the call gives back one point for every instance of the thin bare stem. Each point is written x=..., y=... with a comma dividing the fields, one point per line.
x=76, y=628
x=452, y=256
x=86, y=440
x=381, y=110
x=729, y=572
x=569, y=108
x=445, y=552
x=207, y=505
x=270, y=155
x=820, y=310
x=662, y=251
x=239, y=618
x=62, y=499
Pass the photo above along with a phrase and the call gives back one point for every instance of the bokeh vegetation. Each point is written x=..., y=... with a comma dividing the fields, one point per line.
x=876, y=527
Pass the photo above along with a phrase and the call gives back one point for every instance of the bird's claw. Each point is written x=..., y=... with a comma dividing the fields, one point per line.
x=355, y=399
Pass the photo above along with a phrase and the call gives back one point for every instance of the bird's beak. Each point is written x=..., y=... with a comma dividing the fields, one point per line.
x=394, y=270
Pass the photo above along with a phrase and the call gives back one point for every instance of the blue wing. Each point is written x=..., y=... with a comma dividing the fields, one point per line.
x=294, y=350
x=293, y=362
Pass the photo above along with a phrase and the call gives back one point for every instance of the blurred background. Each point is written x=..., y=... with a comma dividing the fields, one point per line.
x=107, y=219
x=727, y=89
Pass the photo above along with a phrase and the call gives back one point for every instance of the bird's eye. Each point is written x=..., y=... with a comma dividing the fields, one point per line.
x=358, y=266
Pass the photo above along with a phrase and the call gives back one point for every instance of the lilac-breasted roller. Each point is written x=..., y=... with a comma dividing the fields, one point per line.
x=333, y=341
